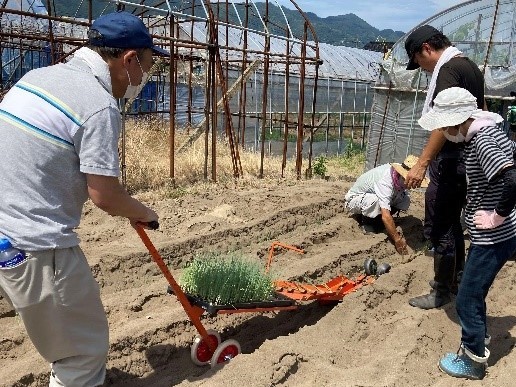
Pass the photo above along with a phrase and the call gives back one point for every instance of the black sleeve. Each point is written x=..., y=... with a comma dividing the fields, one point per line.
x=508, y=199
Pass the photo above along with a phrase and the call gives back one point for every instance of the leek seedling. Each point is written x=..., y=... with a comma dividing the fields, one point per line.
x=226, y=280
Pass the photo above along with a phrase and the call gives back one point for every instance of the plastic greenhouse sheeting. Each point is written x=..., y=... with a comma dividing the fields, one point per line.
x=473, y=28
x=484, y=30
x=13, y=64
x=338, y=61
x=35, y=6
x=25, y=23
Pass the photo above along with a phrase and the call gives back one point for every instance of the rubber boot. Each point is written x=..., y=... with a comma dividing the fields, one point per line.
x=434, y=284
x=464, y=364
x=371, y=225
x=429, y=249
x=440, y=293
x=365, y=225
x=435, y=299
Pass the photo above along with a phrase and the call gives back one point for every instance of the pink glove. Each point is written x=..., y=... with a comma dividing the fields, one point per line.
x=487, y=219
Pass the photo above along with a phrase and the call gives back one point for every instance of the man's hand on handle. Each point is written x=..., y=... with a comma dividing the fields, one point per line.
x=148, y=221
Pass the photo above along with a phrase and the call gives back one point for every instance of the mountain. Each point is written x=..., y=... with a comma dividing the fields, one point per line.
x=342, y=30
x=349, y=30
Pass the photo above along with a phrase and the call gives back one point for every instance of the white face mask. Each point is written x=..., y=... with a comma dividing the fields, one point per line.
x=132, y=91
x=459, y=137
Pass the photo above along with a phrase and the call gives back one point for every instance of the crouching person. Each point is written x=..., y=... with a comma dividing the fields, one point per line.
x=377, y=195
x=490, y=217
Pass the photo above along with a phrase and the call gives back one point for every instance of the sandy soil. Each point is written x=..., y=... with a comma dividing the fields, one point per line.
x=372, y=338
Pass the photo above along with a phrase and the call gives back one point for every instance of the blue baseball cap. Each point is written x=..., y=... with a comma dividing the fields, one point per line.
x=122, y=30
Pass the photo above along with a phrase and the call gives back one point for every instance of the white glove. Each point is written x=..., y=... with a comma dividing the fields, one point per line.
x=485, y=220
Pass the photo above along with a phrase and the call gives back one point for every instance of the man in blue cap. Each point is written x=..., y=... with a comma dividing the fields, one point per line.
x=59, y=129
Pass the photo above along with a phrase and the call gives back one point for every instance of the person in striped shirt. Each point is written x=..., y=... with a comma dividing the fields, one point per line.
x=490, y=217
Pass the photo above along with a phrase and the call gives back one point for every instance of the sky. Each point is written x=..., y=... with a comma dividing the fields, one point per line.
x=398, y=15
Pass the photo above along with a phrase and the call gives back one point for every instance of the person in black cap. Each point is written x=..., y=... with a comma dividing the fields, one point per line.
x=59, y=146
x=430, y=50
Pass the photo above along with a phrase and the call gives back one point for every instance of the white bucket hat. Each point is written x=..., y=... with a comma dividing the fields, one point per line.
x=451, y=107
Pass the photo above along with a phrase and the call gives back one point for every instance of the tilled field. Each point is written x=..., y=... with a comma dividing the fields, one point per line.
x=373, y=337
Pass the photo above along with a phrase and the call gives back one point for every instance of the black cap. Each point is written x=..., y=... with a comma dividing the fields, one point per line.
x=415, y=40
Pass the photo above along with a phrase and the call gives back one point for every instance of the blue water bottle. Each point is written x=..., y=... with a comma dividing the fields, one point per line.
x=9, y=256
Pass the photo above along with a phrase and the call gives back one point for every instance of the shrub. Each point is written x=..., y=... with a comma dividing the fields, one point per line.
x=320, y=168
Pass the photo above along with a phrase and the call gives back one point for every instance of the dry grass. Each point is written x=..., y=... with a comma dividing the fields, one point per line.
x=148, y=164
x=351, y=164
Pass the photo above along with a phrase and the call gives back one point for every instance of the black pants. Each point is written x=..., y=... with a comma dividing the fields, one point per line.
x=444, y=199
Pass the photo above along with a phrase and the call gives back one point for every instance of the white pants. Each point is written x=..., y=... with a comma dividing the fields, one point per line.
x=367, y=204
x=58, y=300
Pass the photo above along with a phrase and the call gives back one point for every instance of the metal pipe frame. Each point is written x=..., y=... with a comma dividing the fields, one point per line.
x=199, y=33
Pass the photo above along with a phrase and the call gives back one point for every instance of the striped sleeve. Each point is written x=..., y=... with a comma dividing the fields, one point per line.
x=491, y=156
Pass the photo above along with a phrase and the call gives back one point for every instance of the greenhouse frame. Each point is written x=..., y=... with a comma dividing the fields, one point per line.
x=268, y=90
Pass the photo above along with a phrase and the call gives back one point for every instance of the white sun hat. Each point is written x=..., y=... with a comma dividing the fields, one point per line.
x=452, y=107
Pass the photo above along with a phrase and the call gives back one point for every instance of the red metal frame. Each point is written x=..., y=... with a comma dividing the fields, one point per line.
x=193, y=312
x=331, y=291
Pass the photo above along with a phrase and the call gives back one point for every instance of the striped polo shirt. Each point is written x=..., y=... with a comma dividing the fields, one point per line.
x=486, y=155
x=57, y=124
